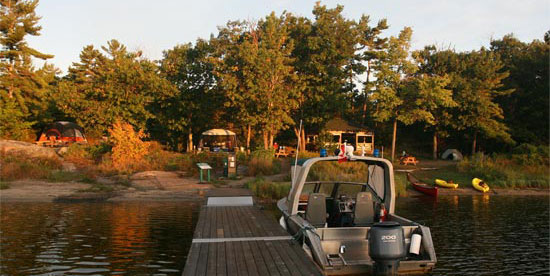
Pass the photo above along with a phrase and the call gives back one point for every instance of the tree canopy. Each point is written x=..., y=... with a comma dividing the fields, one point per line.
x=262, y=77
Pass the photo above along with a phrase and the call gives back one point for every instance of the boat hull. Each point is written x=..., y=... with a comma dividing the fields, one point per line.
x=476, y=184
x=445, y=184
x=422, y=187
x=322, y=242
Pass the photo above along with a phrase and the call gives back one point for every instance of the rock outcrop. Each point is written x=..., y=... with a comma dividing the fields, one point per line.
x=28, y=149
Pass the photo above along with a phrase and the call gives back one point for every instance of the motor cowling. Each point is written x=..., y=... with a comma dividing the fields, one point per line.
x=386, y=247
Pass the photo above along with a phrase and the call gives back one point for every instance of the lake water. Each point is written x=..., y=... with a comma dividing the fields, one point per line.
x=473, y=235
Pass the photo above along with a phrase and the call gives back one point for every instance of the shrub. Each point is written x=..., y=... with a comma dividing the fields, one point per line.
x=263, y=162
x=18, y=166
x=268, y=190
x=128, y=150
x=309, y=154
x=79, y=155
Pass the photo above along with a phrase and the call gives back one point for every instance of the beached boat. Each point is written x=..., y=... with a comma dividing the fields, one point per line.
x=351, y=227
x=446, y=184
x=422, y=187
x=479, y=185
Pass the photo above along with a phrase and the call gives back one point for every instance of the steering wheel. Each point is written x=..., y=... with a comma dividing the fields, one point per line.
x=346, y=204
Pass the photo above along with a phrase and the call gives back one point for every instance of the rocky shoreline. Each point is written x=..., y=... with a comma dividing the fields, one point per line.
x=170, y=186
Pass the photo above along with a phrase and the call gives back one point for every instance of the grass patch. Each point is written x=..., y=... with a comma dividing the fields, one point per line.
x=334, y=171
x=451, y=172
x=64, y=176
x=401, y=183
x=98, y=188
x=268, y=190
x=509, y=171
x=4, y=185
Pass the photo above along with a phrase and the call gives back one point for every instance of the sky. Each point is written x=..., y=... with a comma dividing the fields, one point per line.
x=155, y=26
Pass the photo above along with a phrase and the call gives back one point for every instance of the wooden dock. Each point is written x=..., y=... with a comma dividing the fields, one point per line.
x=244, y=240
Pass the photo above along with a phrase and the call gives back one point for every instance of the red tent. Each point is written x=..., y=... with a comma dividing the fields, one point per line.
x=63, y=133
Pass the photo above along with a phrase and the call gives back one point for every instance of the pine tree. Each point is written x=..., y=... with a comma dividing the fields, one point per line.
x=22, y=87
x=394, y=70
x=117, y=85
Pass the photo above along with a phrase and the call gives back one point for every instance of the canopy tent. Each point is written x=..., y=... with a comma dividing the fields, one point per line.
x=218, y=132
x=63, y=132
x=218, y=139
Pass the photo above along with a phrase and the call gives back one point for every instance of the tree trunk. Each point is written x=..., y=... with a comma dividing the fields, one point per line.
x=266, y=139
x=271, y=137
x=190, y=141
x=248, y=137
x=435, y=146
x=364, y=117
x=474, y=143
x=298, y=134
x=303, y=139
x=393, y=139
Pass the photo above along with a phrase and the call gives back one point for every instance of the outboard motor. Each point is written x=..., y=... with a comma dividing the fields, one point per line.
x=386, y=247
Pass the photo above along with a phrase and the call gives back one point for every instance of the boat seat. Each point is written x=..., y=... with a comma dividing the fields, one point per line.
x=316, y=213
x=364, y=209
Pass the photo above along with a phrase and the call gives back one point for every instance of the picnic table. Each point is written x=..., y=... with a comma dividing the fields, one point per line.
x=284, y=151
x=281, y=152
x=406, y=160
x=204, y=167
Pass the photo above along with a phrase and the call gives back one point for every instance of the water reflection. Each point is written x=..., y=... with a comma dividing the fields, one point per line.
x=473, y=235
x=95, y=238
x=485, y=235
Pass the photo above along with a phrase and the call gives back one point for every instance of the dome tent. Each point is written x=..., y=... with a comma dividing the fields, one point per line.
x=452, y=154
x=62, y=132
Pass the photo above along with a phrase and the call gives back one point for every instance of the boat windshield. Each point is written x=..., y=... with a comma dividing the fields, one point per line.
x=333, y=189
x=349, y=178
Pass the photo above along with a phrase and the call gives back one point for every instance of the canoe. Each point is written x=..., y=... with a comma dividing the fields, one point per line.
x=476, y=182
x=422, y=187
x=446, y=184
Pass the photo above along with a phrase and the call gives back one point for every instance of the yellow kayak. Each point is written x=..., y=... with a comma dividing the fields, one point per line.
x=446, y=184
x=480, y=185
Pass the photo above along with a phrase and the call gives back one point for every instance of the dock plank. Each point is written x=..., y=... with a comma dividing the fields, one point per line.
x=231, y=259
x=211, y=267
x=221, y=261
x=244, y=240
x=203, y=260
x=239, y=258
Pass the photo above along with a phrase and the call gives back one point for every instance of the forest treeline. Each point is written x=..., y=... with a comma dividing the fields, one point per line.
x=260, y=78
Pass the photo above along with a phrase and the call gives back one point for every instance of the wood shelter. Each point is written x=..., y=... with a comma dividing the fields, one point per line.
x=342, y=131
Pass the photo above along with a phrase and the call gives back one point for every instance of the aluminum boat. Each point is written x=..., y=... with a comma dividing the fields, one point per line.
x=350, y=227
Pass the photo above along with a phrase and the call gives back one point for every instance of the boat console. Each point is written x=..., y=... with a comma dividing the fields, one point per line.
x=349, y=227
